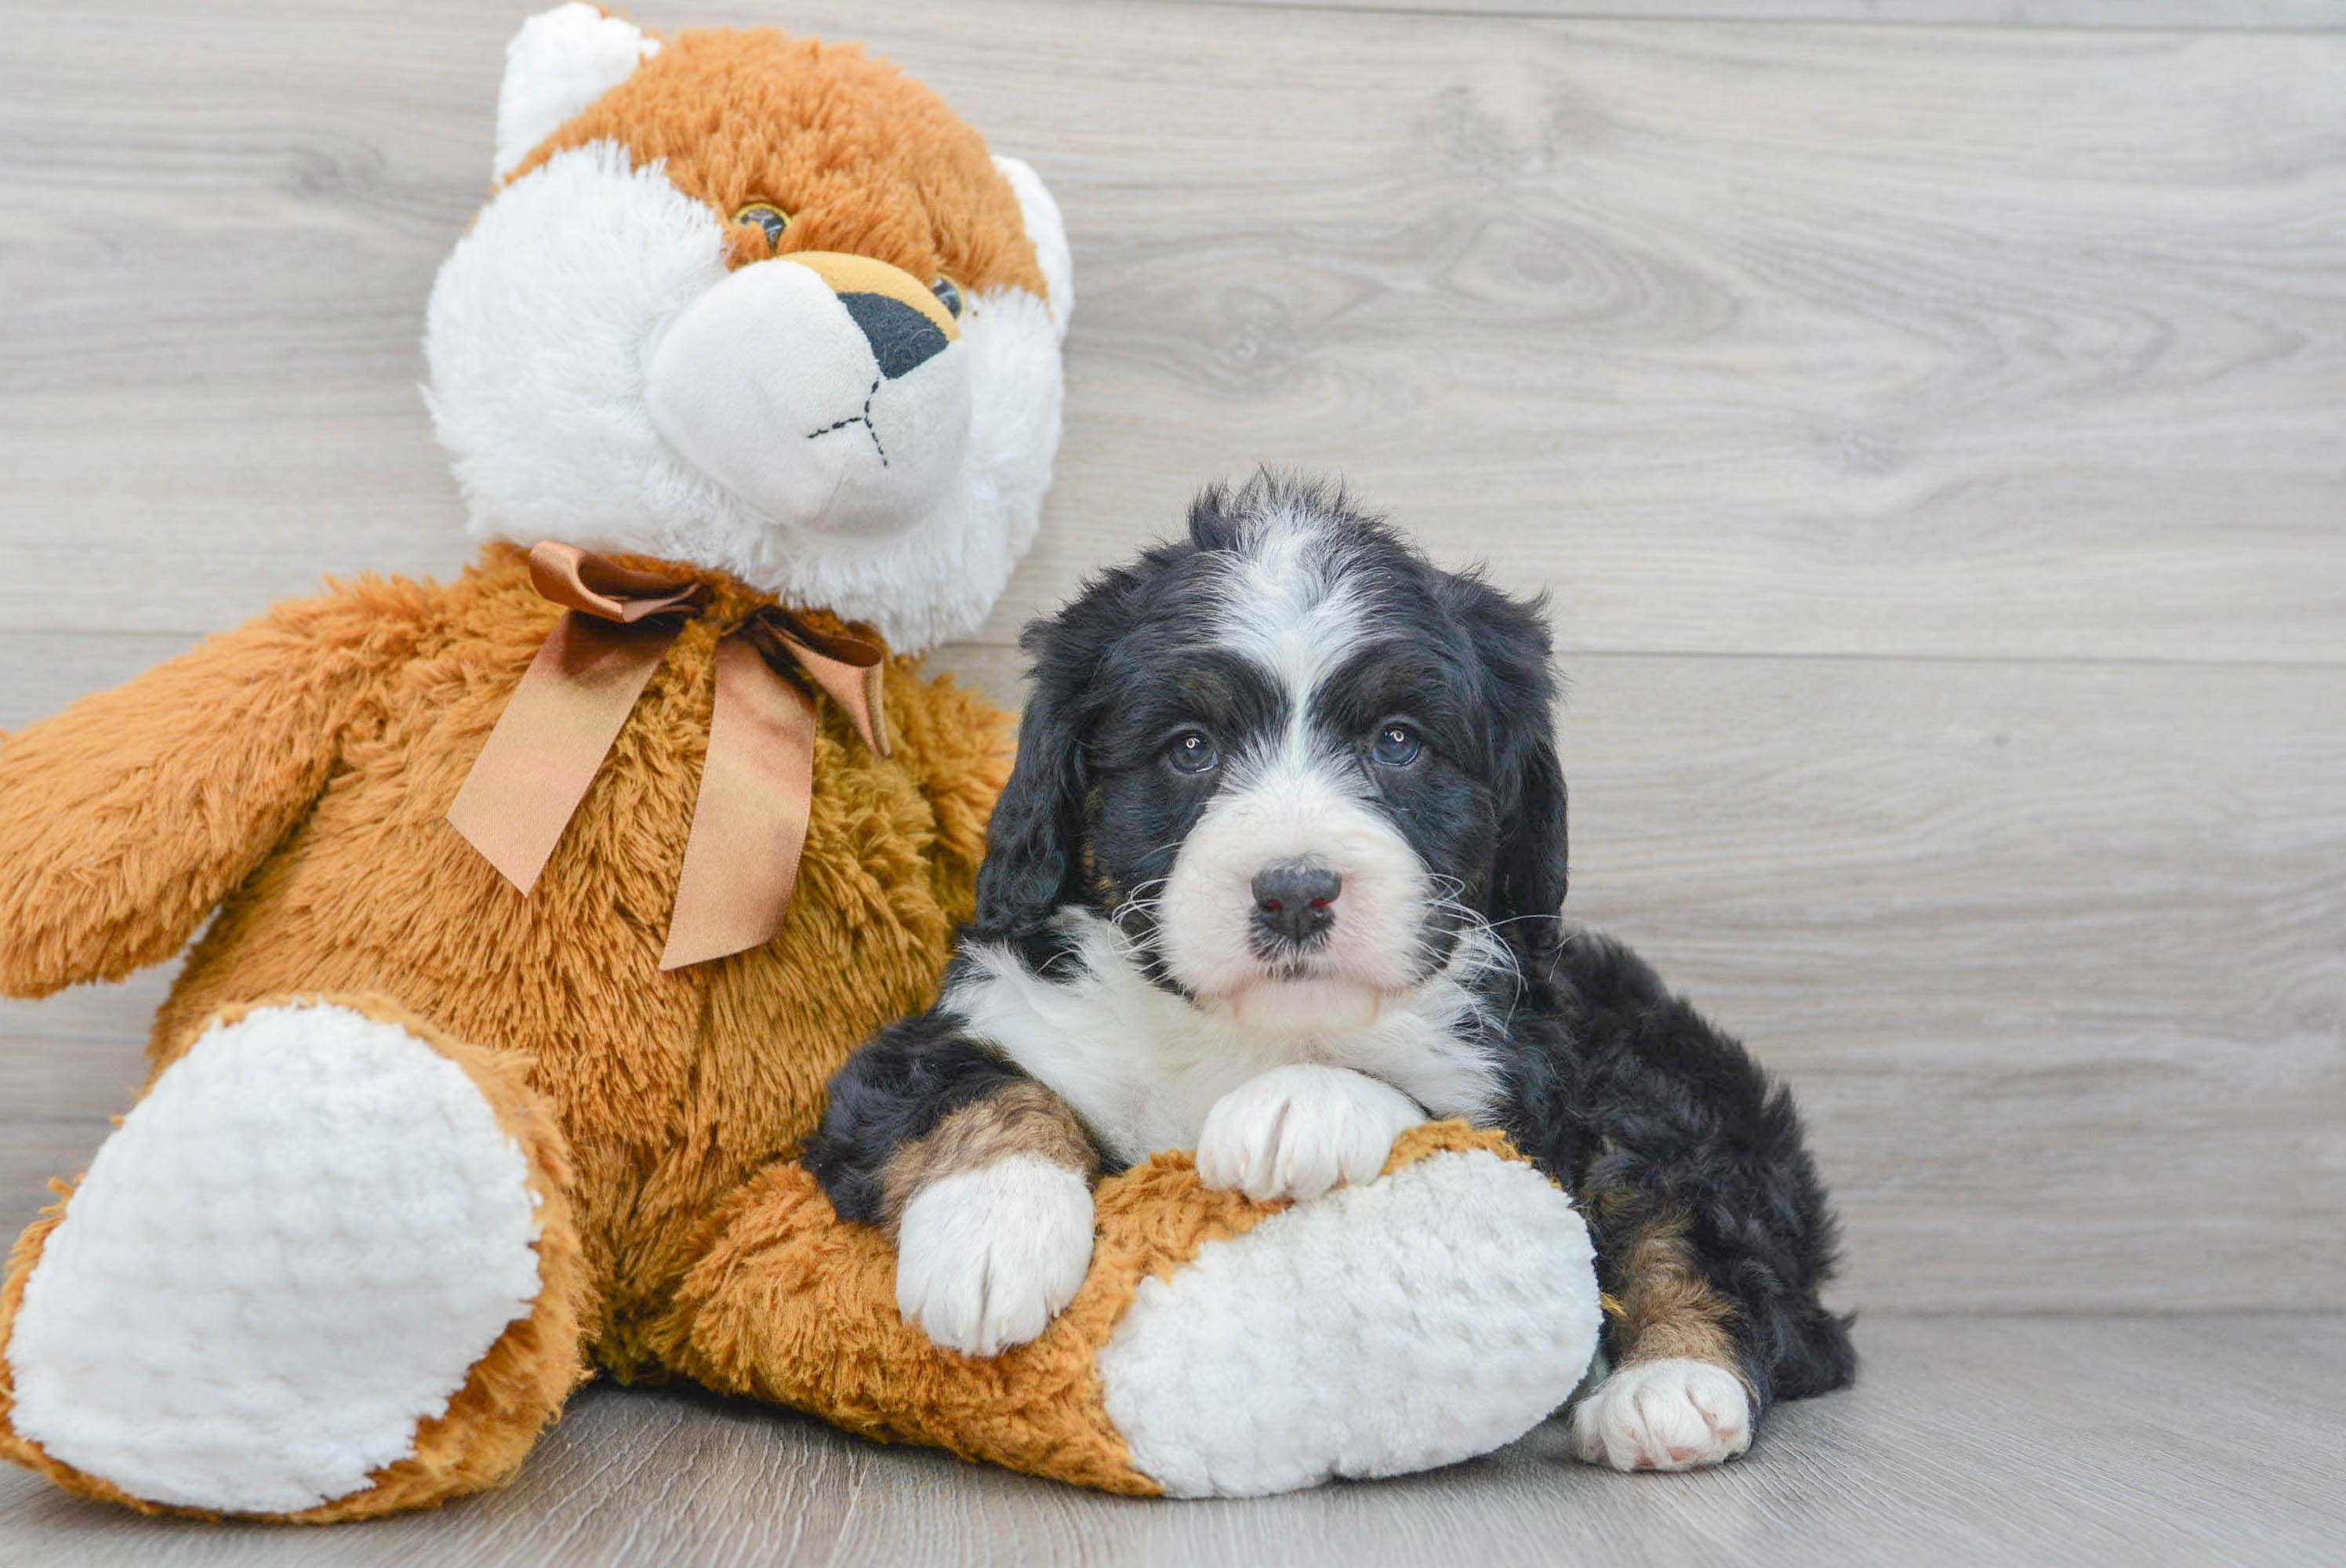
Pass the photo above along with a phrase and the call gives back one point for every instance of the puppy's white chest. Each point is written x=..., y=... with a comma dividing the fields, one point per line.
x=1143, y=1067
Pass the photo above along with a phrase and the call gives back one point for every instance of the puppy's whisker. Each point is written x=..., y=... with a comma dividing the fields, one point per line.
x=1144, y=899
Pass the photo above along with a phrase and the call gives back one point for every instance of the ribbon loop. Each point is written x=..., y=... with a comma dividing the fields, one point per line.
x=757, y=784
x=597, y=586
x=849, y=667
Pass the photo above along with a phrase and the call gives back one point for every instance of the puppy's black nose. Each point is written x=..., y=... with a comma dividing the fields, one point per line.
x=1297, y=901
x=900, y=337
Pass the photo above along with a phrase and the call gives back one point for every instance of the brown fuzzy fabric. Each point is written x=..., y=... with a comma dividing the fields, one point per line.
x=298, y=771
x=295, y=775
x=861, y=157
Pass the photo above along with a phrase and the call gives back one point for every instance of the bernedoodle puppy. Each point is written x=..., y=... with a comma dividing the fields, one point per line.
x=1277, y=877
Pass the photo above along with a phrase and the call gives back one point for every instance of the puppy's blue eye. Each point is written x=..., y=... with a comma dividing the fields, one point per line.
x=1396, y=746
x=1192, y=751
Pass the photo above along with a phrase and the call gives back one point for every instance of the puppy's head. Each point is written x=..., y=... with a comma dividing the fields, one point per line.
x=1290, y=759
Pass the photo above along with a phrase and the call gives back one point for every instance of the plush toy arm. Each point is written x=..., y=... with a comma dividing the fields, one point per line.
x=126, y=818
x=1216, y=1347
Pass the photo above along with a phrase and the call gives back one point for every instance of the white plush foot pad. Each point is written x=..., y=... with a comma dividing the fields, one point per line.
x=1424, y=1317
x=1663, y=1415
x=291, y=1252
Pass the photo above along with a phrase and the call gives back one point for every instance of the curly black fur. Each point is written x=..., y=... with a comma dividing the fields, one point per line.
x=1632, y=1099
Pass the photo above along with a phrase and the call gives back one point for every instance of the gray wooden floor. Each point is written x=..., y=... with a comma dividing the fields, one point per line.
x=1928, y=417
x=2006, y=1441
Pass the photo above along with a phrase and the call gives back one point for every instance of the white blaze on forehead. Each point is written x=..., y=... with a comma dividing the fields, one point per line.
x=1288, y=606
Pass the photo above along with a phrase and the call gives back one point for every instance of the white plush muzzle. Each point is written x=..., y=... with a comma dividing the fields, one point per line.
x=767, y=384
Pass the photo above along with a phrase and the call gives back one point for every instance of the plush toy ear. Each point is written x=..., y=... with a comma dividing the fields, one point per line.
x=1031, y=844
x=1529, y=869
x=1048, y=233
x=561, y=61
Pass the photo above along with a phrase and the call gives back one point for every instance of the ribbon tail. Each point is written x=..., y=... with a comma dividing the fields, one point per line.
x=852, y=670
x=749, y=824
x=551, y=740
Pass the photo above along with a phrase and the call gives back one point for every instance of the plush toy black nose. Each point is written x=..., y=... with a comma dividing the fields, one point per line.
x=900, y=337
x=1297, y=901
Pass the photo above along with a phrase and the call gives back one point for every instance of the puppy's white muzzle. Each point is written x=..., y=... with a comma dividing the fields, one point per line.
x=829, y=411
x=1294, y=812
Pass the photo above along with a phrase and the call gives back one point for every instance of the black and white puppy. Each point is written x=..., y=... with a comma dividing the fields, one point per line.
x=1277, y=876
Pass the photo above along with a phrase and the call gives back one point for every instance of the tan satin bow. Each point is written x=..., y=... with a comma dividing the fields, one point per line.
x=750, y=823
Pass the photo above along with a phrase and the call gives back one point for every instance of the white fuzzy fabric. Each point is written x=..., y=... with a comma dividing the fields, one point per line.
x=1414, y=1321
x=987, y=1258
x=1673, y=1414
x=1048, y=233
x=541, y=337
x=559, y=62
x=766, y=384
x=290, y=1253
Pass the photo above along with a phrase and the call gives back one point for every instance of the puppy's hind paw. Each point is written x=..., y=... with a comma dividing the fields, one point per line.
x=1663, y=1415
x=985, y=1259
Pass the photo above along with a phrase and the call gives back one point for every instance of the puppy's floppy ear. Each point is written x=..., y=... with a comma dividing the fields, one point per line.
x=1033, y=840
x=1529, y=866
x=1534, y=845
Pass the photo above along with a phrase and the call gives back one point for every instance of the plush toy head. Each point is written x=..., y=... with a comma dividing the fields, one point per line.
x=758, y=304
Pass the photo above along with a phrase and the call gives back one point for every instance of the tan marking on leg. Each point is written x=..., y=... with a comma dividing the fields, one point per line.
x=1021, y=1119
x=1668, y=1311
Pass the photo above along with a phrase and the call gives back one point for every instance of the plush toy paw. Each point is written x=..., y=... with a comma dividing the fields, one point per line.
x=296, y=1251
x=985, y=1259
x=1392, y=1325
x=1663, y=1415
x=1295, y=1132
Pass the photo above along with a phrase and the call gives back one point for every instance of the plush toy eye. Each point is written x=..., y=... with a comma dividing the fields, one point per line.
x=1396, y=746
x=766, y=216
x=948, y=293
x=1192, y=751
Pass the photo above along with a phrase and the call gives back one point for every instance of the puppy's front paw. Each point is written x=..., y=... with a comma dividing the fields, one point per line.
x=1663, y=1415
x=1295, y=1132
x=985, y=1259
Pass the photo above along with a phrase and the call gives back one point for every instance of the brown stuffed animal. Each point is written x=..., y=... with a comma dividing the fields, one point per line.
x=547, y=898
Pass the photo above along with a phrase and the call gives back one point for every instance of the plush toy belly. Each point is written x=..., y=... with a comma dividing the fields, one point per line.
x=671, y=1087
